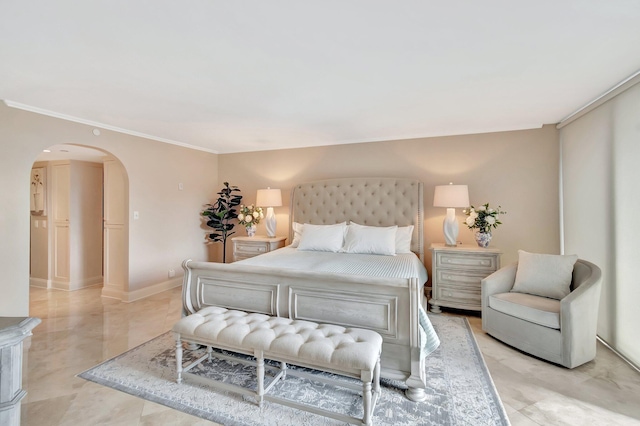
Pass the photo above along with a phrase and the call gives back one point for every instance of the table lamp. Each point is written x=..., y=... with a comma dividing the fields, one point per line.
x=451, y=196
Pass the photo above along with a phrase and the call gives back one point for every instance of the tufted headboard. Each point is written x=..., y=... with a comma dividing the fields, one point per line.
x=366, y=201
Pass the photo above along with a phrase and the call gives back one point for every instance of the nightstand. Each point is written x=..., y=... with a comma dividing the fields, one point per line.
x=246, y=247
x=456, y=275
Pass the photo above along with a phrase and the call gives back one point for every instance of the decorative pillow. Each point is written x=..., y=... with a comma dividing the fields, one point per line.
x=403, y=239
x=545, y=275
x=370, y=239
x=297, y=233
x=322, y=237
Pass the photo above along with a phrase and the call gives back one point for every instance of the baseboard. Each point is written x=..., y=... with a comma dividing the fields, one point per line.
x=131, y=296
x=112, y=292
x=60, y=285
x=38, y=282
x=89, y=282
x=76, y=285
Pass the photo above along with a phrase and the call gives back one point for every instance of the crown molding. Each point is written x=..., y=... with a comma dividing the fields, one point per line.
x=608, y=95
x=66, y=117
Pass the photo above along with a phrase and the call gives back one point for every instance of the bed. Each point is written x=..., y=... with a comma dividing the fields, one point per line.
x=357, y=290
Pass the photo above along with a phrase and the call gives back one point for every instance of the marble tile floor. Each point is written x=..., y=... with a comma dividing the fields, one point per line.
x=80, y=329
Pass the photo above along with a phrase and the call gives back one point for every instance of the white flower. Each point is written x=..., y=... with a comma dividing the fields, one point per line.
x=490, y=220
x=473, y=215
x=248, y=219
x=470, y=221
x=481, y=208
x=256, y=215
x=261, y=215
x=240, y=217
x=491, y=210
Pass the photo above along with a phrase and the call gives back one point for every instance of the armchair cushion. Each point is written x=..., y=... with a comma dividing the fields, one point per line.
x=544, y=275
x=535, y=309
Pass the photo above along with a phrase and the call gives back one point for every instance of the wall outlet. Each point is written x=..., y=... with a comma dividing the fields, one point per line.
x=172, y=273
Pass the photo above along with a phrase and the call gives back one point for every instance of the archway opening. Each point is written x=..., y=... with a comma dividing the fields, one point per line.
x=79, y=226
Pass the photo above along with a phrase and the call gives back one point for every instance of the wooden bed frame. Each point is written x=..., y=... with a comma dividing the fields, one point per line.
x=387, y=305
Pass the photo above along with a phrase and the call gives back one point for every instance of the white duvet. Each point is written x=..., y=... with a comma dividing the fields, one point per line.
x=399, y=266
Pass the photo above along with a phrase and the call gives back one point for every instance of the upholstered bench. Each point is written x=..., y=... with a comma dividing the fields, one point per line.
x=350, y=352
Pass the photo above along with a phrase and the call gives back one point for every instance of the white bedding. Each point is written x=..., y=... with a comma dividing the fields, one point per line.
x=399, y=266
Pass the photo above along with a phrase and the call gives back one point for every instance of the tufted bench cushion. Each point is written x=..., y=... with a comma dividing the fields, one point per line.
x=320, y=344
x=352, y=352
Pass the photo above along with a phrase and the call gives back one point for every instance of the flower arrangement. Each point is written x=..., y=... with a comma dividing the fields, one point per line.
x=483, y=218
x=250, y=215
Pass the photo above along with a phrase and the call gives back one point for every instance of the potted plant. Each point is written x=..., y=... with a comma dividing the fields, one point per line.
x=221, y=214
x=483, y=218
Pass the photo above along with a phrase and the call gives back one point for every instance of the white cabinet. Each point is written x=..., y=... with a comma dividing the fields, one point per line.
x=456, y=275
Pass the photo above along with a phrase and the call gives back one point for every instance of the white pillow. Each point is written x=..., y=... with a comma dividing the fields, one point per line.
x=370, y=239
x=297, y=233
x=545, y=275
x=322, y=237
x=403, y=239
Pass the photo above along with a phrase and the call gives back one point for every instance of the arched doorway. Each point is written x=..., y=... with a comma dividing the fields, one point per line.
x=79, y=226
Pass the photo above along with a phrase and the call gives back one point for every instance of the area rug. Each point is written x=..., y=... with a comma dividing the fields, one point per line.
x=459, y=388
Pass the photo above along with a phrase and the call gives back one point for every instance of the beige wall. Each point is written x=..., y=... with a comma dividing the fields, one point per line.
x=517, y=170
x=168, y=231
x=600, y=152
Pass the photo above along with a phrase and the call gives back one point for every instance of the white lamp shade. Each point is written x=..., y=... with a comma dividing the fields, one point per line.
x=451, y=196
x=269, y=198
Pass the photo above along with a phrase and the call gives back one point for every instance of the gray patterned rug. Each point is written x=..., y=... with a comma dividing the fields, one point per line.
x=459, y=388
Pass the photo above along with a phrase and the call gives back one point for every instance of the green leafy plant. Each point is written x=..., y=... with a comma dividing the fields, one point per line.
x=221, y=214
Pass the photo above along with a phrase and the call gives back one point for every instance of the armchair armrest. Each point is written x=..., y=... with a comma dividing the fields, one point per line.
x=579, y=318
x=500, y=281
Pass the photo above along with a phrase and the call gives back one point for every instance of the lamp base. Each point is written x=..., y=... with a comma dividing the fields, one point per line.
x=450, y=228
x=270, y=222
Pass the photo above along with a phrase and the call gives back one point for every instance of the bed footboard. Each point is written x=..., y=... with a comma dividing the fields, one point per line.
x=388, y=306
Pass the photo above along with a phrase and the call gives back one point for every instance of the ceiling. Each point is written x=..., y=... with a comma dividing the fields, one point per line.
x=227, y=76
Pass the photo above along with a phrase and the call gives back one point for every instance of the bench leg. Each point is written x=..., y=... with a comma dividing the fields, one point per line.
x=376, y=378
x=179, y=358
x=370, y=392
x=366, y=402
x=209, y=352
x=260, y=376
